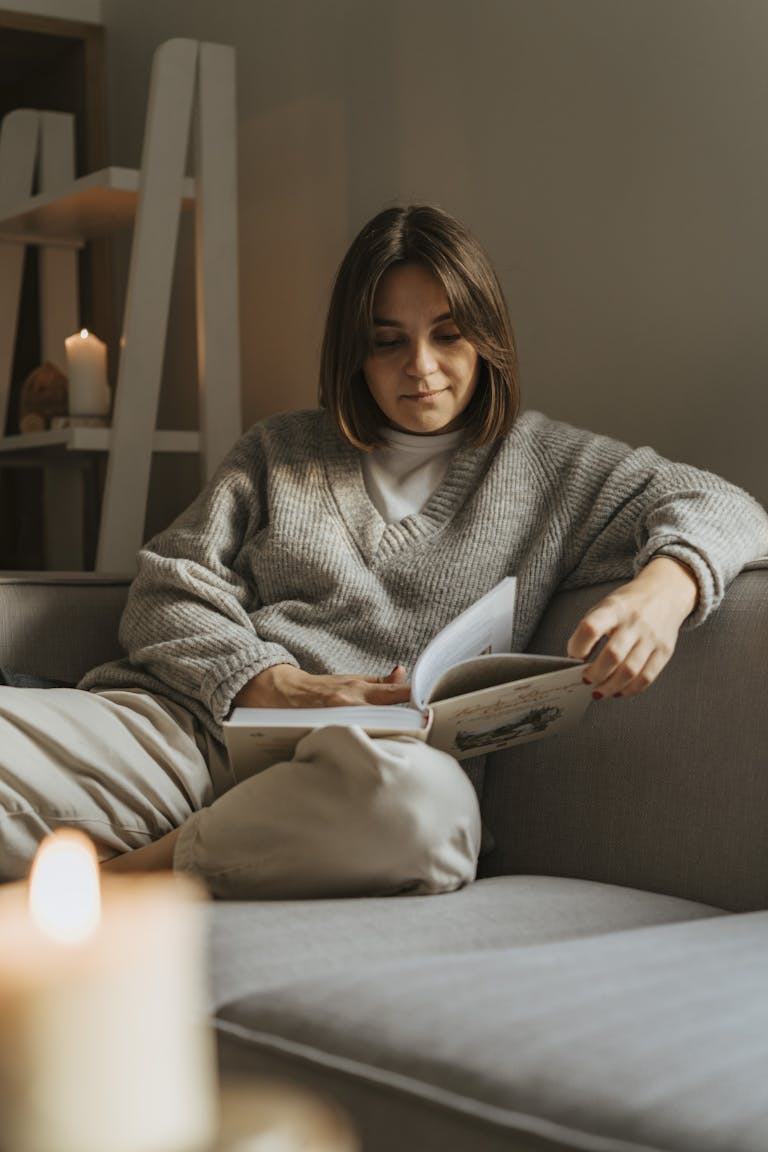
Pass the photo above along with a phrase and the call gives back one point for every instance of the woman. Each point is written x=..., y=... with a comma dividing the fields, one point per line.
x=328, y=549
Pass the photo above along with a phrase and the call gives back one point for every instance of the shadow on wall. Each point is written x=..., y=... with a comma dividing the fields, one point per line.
x=292, y=231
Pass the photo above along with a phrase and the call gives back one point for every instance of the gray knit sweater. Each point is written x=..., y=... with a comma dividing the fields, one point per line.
x=283, y=557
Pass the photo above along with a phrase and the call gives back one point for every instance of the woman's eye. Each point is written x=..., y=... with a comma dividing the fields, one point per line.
x=385, y=342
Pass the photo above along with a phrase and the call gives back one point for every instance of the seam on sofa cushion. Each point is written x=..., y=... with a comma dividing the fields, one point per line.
x=508, y=1119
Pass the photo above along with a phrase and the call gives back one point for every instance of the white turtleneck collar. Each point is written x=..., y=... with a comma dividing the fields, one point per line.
x=401, y=475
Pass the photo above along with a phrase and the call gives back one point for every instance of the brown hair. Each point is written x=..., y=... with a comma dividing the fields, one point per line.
x=428, y=236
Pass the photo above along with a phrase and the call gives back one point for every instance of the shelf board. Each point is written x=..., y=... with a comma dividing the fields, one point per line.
x=95, y=205
x=93, y=440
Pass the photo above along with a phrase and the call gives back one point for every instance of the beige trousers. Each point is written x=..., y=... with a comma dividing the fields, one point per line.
x=346, y=816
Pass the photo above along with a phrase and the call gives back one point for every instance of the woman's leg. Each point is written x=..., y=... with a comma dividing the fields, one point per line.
x=121, y=766
x=154, y=857
x=348, y=816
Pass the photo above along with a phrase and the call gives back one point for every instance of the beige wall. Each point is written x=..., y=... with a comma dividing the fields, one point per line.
x=612, y=155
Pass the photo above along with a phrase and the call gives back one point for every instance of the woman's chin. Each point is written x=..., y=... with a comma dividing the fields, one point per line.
x=426, y=423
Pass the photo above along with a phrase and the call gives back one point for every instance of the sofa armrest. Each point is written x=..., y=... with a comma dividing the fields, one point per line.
x=667, y=791
x=59, y=624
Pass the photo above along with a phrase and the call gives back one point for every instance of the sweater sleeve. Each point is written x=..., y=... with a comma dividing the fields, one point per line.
x=626, y=506
x=187, y=626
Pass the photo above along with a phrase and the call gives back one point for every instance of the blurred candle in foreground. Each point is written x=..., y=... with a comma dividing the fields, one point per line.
x=103, y=1039
x=64, y=890
x=87, y=388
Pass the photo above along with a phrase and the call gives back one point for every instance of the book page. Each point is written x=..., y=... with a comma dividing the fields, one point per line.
x=486, y=626
x=491, y=669
x=508, y=714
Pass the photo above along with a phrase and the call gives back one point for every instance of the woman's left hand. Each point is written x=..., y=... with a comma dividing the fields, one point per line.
x=640, y=622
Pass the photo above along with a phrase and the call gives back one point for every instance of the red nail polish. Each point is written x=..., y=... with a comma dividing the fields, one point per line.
x=597, y=695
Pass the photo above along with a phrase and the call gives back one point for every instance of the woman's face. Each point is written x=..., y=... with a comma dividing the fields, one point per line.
x=422, y=373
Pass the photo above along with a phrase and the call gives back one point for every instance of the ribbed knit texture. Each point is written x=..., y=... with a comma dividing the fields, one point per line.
x=283, y=557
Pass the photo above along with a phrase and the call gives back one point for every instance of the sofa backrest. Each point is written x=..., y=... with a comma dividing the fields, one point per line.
x=667, y=791
x=59, y=625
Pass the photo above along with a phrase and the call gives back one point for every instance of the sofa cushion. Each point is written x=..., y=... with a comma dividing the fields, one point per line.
x=652, y=1038
x=259, y=945
x=57, y=625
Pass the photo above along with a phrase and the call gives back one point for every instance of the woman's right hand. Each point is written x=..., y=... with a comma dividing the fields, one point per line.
x=284, y=686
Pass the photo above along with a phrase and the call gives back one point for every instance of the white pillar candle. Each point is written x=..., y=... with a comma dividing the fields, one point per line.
x=88, y=390
x=103, y=1038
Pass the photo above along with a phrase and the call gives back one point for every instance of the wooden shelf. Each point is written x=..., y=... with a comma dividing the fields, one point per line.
x=94, y=440
x=93, y=206
x=192, y=89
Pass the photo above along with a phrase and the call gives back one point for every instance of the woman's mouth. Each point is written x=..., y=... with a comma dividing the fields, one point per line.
x=423, y=397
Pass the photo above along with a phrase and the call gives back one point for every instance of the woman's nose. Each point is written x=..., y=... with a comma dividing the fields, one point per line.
x=421, y=361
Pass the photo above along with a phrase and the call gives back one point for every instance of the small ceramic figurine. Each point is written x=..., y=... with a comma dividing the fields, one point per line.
x=43, y=396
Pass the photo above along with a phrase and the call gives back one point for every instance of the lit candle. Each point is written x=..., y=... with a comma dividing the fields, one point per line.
x=103, y=1039
x=88, y=390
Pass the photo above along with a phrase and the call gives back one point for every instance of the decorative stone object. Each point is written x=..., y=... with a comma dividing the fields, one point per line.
x=43, y=397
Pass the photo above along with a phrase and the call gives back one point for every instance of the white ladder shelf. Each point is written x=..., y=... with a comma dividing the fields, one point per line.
x=192, y=83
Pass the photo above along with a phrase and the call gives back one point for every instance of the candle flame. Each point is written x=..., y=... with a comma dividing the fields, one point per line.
x=83, y=333
x=64, y=898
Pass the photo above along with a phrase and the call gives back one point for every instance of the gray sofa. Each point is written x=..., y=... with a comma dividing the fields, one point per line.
x=602, y=986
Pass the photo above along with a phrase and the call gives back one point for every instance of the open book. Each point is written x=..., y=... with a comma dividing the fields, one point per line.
x=469, y=695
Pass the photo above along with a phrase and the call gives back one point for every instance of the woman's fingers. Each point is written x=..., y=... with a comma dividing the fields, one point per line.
x=388, y=694
x=631, y=675
x=600, y=622
x=285, y=686
x=648, y=673
x=622, y=656
x=638, y=623
x=390, y=689
x=616, y=666
x=334, y=691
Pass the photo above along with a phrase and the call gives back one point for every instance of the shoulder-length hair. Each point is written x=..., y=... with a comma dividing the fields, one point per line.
x=428, y=236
